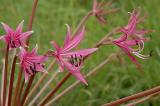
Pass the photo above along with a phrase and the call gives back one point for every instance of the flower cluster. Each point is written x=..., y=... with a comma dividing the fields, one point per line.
x=31, y=62
x=131, y=36
x=73, y=60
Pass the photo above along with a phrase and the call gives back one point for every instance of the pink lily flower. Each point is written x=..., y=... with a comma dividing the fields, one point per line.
x=31, y=62
x=15, y=38
x=131, y=27
x=71, y=60
x=99, y=11
x=137, y=39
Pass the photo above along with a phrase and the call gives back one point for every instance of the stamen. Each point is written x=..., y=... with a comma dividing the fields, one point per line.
x=141, y=56
x=76, y=61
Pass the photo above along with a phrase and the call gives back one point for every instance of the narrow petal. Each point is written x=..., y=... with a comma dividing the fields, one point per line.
x=20, y=27
x=133, y=59
x=7, y=28
x=132, y=42
x=55, y=45
x=79, y=53
x=22, y=52
x=79, y=76
x=34, y=50
x=39, y=68
x=68, y=36
x=75, y=41
x=25, y=35
x=23, y=38
x=75, y=72
x=121, y=39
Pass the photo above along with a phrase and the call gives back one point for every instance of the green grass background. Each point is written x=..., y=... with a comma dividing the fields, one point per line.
x=113, y=81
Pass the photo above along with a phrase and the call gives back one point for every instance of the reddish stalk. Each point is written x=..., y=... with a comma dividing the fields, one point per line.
x=19, y=93
x=59, y=85
x=4, y=80
x=133, y=97
x=30, y=28
x=27, y=90
x=17, y=87
x=11, y=80
x=143, y=99
x=31, y=103
x=82, y=22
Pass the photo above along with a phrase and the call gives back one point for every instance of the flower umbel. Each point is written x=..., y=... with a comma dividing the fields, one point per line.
x=99, y=11
x=132, y=37
x=15, y=38
x=72, y=60
x=31, y=62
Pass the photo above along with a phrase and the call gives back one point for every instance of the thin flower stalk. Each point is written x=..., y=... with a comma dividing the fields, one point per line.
x=140, y=101
x=31, y=20
x=50, y=94
x=19, y=93
x=16, y=91
x=31, y=103
x=27, y=90
x=133, y=97
x=89, y=74
x=3, y=71
x=11, y=81
x=4, y=80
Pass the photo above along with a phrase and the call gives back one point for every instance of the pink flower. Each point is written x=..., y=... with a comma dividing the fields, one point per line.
x=136, y=39
x=131, y=27
x=99, y=11
x=72, y=60
x=15, y=38
x=31, y=62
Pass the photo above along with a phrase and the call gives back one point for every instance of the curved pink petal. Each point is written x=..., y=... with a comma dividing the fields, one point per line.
x=7, y=28
x=19, y=28
x=80, y=53
x=55, y=45
x=68, y=36
x=121, y=39
x=74, y=42
x=132, y=42
x=75, y=72
x=131, y=27
x=22, y=52
x=24, y=36
x=39, y=68
x=34, y=50
x=131, y=57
